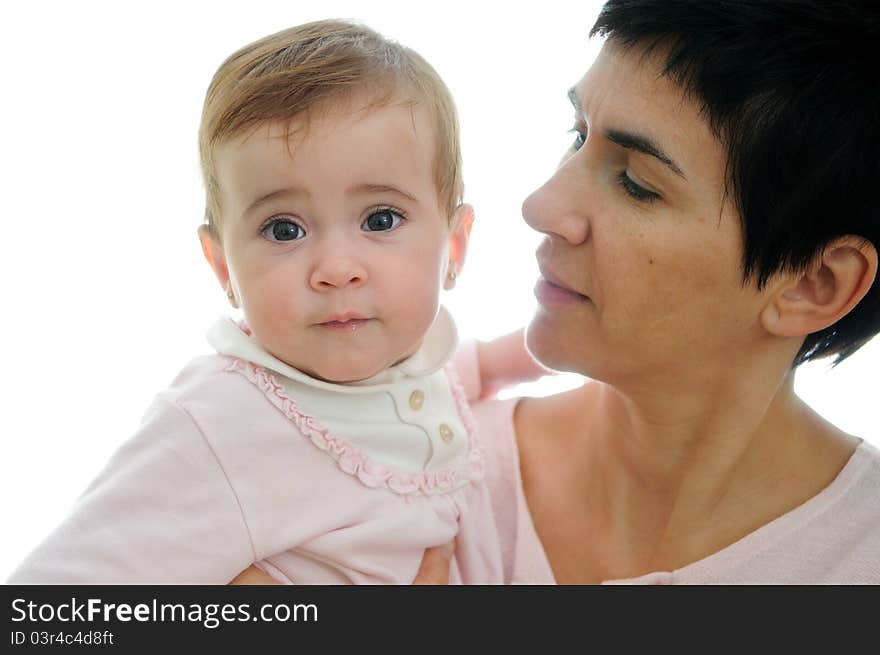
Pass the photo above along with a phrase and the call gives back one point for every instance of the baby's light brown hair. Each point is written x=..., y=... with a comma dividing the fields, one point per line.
x=303, y=69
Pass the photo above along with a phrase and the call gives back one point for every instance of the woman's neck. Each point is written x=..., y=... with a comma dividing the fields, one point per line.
x=671, y=478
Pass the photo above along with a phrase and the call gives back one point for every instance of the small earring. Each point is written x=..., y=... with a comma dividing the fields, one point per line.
x=451, y=276
x=230, y=294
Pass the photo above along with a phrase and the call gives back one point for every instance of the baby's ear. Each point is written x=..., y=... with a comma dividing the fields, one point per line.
x=214, y=254
x=459, y=235
x=835, y=281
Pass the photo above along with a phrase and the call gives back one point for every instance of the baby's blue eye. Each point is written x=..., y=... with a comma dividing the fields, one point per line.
x=282, y=229
x=381, y=220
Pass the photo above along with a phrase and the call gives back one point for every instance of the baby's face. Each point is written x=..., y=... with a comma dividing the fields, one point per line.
x=334, y=240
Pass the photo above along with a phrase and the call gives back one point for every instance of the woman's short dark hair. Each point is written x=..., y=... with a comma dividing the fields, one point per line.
x=791, y=88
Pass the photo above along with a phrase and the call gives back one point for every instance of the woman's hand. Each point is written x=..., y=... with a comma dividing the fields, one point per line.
x=435, y=565
x=434, y=569
x=253, y=576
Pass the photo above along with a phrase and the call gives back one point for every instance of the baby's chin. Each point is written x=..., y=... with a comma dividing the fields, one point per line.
x=346, y=365
x=358, y=367
x=344, y=374
x=347, y=370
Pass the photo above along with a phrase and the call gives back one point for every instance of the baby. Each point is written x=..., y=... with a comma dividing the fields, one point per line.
x=327, y=441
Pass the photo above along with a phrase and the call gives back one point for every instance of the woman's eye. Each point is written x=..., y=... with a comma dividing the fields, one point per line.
x=281, y=230
x=579, y=138
x=634, y=190
x=381, y=220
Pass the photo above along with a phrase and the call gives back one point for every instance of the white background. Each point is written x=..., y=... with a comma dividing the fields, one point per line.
x=105, y=292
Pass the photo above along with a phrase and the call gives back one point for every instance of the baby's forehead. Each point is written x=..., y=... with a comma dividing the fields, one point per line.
x=360, y=146
x=404, y=109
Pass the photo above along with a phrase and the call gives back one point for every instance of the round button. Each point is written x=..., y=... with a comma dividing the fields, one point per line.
x=446, y=433
x=417, y=399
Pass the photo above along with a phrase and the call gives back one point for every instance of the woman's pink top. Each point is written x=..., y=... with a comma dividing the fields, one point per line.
x=832, y=538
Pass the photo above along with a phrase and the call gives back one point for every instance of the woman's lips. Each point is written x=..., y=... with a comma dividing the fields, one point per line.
x=549, y=293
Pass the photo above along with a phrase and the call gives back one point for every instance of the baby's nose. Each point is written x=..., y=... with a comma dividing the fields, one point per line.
x=336, y=272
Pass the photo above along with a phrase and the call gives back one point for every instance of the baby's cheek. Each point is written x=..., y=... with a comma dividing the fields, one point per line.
x=415, y=296
x=271, y=309
x=419, y=300
x=257, y=304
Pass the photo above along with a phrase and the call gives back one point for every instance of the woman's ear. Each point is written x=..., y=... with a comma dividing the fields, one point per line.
x=213, y=252
x=459, y=235
x=834, y=283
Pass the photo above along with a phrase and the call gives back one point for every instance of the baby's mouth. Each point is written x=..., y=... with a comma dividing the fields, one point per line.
x=344, y=324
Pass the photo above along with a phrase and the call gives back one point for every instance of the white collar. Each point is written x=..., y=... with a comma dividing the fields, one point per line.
x=440, y=341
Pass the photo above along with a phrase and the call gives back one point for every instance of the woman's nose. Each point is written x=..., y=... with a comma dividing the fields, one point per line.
x=337, y=270
x=561, y=206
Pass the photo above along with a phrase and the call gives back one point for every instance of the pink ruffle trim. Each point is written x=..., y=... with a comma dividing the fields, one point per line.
x=354, y=461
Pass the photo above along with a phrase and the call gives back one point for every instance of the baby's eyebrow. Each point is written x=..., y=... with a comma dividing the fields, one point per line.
x=364, y=188
x=380, y=188
x=273, y=194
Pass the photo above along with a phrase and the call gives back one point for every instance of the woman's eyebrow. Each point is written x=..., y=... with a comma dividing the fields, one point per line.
x=642, y=144
x=631, y=140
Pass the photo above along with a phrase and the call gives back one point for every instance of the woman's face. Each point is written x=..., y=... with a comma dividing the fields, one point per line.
x=641, y=264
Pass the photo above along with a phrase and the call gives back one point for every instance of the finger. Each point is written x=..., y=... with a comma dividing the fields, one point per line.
x=435, y=565
x=253, y=576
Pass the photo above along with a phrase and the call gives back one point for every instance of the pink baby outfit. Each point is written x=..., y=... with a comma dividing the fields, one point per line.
x=245, y=459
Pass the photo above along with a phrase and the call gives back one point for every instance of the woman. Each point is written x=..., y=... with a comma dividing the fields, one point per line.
x=712, y=227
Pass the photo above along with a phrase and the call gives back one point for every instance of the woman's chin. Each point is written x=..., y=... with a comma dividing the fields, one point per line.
x=559, y=349
x=544, y=345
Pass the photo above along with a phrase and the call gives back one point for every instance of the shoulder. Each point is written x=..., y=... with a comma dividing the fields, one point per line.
x=833, y=538
x=200, y=375
x=212, y=383
x=211, y=400
x=553, y=421
x=514, y=428
x=494, y=420
x=852, y=496
x=871, y=455
x=202, y=388
x=859, y=485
